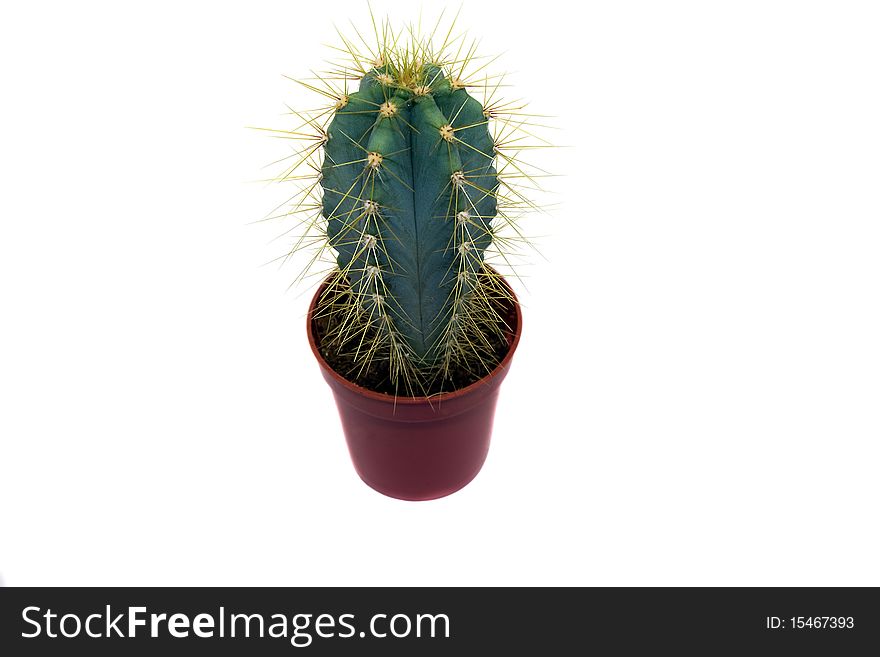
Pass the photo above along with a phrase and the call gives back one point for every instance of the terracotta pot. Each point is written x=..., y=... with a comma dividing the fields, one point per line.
x=417, y=448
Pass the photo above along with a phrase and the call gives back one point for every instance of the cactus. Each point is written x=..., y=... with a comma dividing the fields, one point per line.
x=407, y=197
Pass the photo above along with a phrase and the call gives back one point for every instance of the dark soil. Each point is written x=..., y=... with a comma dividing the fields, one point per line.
x=376, y=375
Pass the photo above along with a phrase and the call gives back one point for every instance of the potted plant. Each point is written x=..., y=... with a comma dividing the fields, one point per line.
x=408, y=182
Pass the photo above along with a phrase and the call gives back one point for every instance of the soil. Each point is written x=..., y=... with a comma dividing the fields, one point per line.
x=376, y=375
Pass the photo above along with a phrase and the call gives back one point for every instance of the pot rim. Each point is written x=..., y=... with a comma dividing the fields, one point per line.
x=423, y=399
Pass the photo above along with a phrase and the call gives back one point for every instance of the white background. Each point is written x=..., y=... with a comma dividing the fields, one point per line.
x=695, y=399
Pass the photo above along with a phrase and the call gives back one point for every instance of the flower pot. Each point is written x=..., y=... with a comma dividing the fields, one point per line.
x=417, y=448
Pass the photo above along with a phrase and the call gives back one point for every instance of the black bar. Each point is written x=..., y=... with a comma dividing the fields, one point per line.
x=675, y=621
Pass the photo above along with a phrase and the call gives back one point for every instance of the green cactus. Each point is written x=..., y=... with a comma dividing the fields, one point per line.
x=408, y=195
